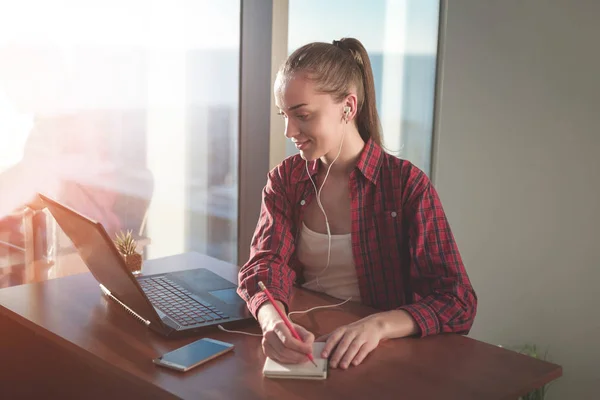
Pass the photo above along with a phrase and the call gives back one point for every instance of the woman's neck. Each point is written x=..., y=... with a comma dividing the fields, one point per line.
x=352, y=147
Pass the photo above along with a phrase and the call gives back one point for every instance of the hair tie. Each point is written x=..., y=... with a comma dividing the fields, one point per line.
x=355, y=55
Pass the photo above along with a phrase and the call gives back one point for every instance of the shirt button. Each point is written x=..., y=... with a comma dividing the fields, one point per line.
x=394, y=214
x=302, y=202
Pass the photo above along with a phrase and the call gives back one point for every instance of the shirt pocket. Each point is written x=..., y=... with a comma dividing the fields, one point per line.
x=388, y=225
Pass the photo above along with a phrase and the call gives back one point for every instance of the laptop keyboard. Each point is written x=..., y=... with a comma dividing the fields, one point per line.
x=178, y=303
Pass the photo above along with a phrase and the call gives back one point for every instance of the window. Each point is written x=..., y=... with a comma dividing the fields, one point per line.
x=128, y=112
x=401, y=39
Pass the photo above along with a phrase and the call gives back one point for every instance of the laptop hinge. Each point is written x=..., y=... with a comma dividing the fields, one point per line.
x=166, y=320
x=129, y=310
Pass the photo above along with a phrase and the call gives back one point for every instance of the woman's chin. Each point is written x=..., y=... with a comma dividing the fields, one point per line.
x=308, y=155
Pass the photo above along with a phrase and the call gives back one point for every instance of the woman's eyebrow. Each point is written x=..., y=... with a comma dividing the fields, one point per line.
x=297, y=106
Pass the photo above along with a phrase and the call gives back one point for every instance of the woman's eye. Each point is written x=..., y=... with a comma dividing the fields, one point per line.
x=302, y=116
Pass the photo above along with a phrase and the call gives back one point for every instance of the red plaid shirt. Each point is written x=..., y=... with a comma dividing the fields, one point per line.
x=404, y=250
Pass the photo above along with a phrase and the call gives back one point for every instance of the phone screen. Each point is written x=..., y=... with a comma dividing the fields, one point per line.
x=194, y=353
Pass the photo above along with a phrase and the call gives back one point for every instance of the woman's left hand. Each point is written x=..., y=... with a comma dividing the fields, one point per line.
x=352, y=343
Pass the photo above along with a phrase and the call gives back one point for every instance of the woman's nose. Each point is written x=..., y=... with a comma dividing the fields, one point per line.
x=290, y=129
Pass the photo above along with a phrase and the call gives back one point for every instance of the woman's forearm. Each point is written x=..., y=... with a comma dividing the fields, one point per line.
x=267, y=313
x=396, y=324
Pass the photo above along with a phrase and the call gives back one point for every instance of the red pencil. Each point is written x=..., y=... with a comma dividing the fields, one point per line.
x=282, y=315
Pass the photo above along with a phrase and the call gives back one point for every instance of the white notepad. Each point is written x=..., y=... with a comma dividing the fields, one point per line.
x=306, y=370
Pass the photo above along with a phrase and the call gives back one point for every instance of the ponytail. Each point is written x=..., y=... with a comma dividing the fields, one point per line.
x=367, y=119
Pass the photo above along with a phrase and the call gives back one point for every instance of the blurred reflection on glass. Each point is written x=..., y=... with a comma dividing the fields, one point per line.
x=127, y=112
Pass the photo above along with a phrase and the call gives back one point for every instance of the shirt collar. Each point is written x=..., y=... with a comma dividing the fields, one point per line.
x=370, y=160
x=369, y=164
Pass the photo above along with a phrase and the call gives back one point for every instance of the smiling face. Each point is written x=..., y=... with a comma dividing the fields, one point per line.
x=313, y=120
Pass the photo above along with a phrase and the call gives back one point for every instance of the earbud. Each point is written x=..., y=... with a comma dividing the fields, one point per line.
x=346, y=112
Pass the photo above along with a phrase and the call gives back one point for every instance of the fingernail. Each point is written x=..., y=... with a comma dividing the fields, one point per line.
x=324, y=355
x=344, y=366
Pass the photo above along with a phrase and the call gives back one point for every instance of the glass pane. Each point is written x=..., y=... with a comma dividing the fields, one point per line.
x=126, y=111
x=401, y=39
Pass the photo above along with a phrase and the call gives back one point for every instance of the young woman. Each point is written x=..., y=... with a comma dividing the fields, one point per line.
x=345, y=218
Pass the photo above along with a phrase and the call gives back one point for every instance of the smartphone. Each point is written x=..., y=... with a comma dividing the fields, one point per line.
x=193, y=354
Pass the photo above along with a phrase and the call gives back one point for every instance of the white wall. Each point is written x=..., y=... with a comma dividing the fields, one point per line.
x=516, y=165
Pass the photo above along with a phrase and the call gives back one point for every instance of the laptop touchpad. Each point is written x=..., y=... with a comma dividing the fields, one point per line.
x=228, y=296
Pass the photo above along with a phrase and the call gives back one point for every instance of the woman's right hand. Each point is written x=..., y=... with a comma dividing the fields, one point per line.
x=278, y=343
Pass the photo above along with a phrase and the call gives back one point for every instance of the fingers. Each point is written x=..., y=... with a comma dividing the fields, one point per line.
x=289, y=341
x=364, y=351
x=342, y=346
x=307, y=337
x=351, y=352
x=281, y=355
x=332, y=340
x=279, y=344
x=347, y=348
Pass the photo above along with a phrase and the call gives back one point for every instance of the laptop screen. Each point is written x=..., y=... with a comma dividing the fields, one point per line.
x=102, y=258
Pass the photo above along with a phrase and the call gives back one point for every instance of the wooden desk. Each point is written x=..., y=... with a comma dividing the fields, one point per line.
x=61, y=338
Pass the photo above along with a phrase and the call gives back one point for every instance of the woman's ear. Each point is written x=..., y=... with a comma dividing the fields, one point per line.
x=349, y=109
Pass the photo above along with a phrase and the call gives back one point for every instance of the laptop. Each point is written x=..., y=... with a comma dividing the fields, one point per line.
x=172, y=304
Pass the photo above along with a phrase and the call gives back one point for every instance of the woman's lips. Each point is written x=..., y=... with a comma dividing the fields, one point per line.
x=302, y=145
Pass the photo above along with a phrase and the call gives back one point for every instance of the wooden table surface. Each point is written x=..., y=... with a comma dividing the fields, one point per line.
x=65, y=336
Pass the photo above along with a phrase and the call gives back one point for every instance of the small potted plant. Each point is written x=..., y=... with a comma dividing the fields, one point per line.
x=127, y=247
x=531, y=350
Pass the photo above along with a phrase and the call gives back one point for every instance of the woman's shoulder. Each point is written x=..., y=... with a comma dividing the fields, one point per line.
x=404, y=175
x=289, y=171
x=402, y=168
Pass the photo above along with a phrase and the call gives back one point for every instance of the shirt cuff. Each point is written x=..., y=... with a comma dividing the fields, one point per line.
x=425, y=317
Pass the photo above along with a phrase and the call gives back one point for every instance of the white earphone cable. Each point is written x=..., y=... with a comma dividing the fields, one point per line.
x=318, y=307
x=318, y=193
x=289, y=317
x=243, y=333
